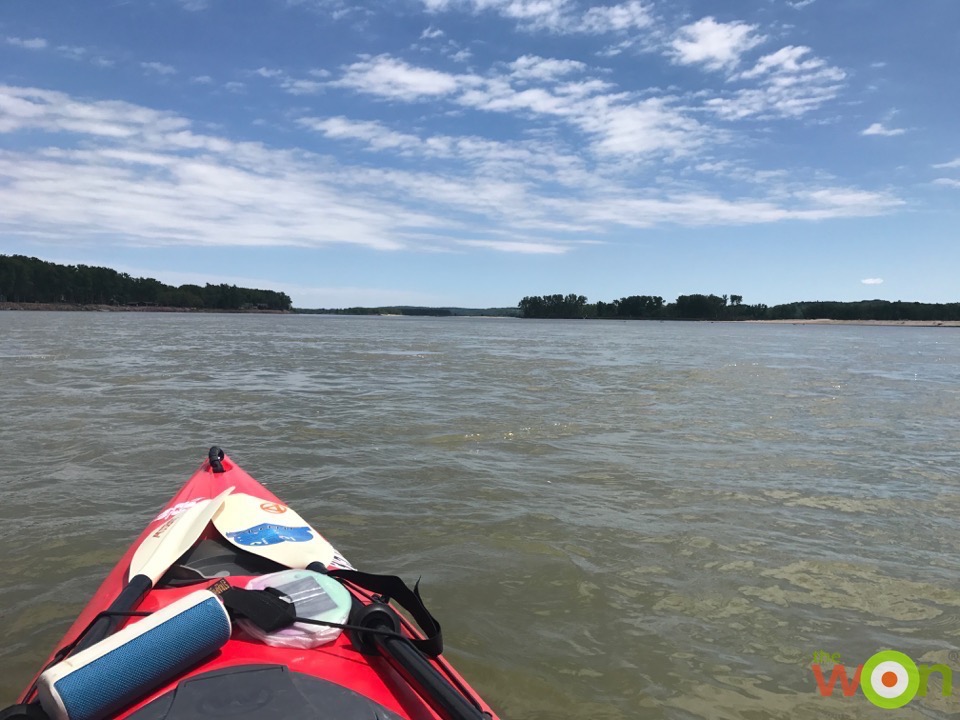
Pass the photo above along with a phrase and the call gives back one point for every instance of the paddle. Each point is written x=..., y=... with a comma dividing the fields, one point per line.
x=276, y=532
x=271, y=530
x=152, y=558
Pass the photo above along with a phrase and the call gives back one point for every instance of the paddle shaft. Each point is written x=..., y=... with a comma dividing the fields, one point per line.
x=127, y=600
x=411, y=664
x=420, y=674
x=163, y=546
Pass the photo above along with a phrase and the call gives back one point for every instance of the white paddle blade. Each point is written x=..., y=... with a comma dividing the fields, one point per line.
x=271, y=530
x=161, y=548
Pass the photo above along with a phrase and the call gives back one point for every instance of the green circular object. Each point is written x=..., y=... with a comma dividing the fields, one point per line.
x=905, y=695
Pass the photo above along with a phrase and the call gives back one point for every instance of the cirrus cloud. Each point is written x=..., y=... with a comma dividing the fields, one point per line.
x=557, y=16
x=123, y=173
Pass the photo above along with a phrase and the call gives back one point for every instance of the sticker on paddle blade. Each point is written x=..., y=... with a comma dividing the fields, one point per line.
x=891, y=679
x=158, y=550
x=179, y=508
x=254, y=524
x=339, y=561
x=269, y=534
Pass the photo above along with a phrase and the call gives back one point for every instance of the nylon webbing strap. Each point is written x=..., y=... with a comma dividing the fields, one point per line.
x=269, y=611
x=264, y=608
x=395, y=589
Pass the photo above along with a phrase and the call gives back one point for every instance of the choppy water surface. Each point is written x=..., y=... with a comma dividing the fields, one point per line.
x=612, y=520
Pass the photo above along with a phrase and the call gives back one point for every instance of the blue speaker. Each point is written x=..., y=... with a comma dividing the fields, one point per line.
x=125, y=667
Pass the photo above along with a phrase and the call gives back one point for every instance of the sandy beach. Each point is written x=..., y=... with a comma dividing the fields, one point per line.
x=891, y=323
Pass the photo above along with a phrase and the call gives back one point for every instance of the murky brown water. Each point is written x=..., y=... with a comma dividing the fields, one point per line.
x=612, y=520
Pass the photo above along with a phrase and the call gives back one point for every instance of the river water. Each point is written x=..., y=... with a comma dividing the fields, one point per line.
x=611, y=519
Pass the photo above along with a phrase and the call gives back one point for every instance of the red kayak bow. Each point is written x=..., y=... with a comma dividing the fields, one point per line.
x=229, y=603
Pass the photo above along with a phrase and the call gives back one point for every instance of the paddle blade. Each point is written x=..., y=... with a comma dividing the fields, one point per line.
x=161, y=548
x=271, y=530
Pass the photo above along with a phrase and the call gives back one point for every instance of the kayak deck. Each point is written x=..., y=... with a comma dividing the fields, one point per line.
x=245, y=677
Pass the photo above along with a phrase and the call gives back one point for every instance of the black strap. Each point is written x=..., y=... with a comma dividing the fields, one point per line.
x=393, y=588
x=267, y=610
x=264, y=608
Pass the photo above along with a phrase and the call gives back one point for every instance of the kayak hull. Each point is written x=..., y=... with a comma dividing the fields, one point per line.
x=297, y=677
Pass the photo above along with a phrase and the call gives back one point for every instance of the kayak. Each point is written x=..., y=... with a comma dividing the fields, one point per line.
x=230, y=604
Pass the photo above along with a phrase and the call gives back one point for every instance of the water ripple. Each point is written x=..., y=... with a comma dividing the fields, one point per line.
x=612, y=520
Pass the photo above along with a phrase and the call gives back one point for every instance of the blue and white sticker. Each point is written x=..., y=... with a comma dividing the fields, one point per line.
x=270, y=534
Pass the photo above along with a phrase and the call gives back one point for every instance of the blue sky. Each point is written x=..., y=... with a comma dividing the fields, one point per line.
x=471, y=152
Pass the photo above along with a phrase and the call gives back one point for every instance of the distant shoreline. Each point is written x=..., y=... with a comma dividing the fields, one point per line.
x=824, y=321
x=70, y=307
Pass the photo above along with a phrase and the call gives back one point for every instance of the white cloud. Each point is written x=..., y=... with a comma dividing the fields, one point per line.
x=50, y=111
x=158, y=68
x=557, y=16
x=334, y=8
x=292, y=85
x=302, y=87
x=430, y=33
x=790, y=83
x=872, y=281
x=534, y=161
x=800, y=4
x=616, y=125
x=618, y=129
x=715, y=45
x=125, y=174
x=647, y=127
x=616, y=18
x=789, y=60
x=526, y=248
x=881, y=130
x=616, y=48
x=202, y=80
x=27, y=43
x=694, y=209
x=390, y=77
x=144, y=177
x=535, y=13
x=74, y=52
x=859, y=201
x=538, y=68
x=78, y=54
x=947, y=182
x=951, y=164
x=374, y=134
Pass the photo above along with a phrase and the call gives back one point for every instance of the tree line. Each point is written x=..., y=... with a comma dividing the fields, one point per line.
x=641, y=307
x=29, y=280
x=729, y=307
